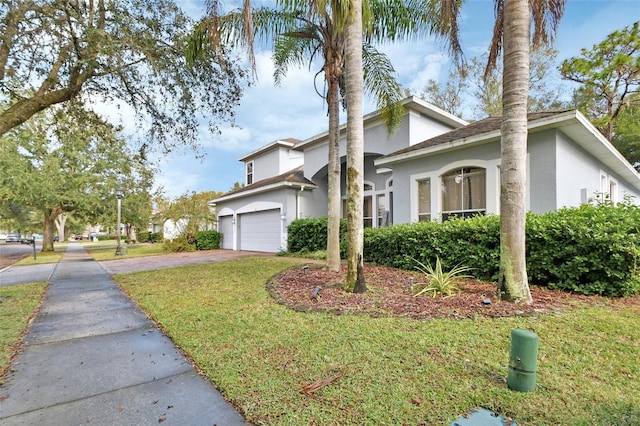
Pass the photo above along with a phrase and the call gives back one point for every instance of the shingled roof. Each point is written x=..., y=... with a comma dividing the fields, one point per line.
x=487, y=125
x=293, y=177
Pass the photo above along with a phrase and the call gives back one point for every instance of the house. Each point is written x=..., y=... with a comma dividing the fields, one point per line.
x=433, y=167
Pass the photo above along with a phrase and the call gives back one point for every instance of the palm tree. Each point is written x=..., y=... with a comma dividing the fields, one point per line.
x=305, y=30
x=355, y=148
x=320, y=30
x=366, y=18
x=512, y=31
x=300, y=36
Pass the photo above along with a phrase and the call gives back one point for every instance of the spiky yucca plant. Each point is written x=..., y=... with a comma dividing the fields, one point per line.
x=439, y=282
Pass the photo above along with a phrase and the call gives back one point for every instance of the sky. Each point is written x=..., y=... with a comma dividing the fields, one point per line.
x=294, y=110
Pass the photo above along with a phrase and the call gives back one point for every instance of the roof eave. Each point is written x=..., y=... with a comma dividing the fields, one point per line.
x=268, y=147
x=485, y=137
x=261, y=189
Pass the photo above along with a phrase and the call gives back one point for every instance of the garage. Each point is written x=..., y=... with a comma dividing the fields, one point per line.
x=225, y=227
x=260, y=231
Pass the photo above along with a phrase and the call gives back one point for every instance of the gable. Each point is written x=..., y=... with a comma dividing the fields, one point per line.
x=421, y=120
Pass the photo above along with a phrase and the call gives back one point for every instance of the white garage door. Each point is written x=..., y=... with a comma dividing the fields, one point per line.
x=226, y=229
x=260, y=231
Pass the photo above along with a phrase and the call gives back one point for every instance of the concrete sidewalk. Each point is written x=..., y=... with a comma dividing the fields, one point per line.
x=92, y=357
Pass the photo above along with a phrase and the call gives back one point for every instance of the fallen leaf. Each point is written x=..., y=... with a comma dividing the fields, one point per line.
x=416, y=401
x=312, y=387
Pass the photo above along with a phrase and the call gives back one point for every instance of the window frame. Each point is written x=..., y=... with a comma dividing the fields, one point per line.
x=459, y=171
x=248, y=174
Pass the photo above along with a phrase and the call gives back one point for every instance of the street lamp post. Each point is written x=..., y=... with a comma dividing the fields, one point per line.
x=119, y=195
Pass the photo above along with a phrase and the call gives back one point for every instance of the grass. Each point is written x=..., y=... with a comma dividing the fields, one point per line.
x=105, y=250
x=17, y=306
x=396, y=371
x=41, y=258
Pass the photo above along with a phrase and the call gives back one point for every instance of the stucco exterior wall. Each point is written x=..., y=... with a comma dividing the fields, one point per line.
x=266, y=165
x=542, y=171
x=580, y=173
x=414, y=128
x=406, y=175
x=576, y=172
x=423, y=128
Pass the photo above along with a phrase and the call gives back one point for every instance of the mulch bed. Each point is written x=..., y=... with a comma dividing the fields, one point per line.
x=389, y=293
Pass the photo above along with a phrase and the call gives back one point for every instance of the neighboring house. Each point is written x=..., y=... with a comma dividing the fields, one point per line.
x=433, y=167
x=172, y=229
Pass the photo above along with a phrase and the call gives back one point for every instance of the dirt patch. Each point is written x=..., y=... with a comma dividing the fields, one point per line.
x=390, y=294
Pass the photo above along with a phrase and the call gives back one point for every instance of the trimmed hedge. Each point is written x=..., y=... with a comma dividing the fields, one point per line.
x=588, y=249
x=208, y=240
x=474, y=243
x=307, y=235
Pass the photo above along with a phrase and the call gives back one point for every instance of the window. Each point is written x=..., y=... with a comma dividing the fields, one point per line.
x=382, y=221
x=367, y=211
x=249, y=173
x=424, y=200
x=367, y=207
x=613, y=191
x=604, y=187
x=464, y=192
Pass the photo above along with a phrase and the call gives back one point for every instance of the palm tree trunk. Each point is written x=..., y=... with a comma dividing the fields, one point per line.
x=355, y=148
x=333, y=178
x=513, y=283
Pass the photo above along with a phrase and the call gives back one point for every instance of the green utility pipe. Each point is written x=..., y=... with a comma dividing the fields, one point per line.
x=523, y=361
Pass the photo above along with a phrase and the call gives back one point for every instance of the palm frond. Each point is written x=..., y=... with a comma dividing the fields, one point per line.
x=292, y=51
x=381, y=82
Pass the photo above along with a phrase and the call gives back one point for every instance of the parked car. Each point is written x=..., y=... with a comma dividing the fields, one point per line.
x=13, y=238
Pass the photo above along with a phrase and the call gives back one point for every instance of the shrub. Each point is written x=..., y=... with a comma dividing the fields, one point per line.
x=180, y=244
x=473, y=242
x=144, y=236
x=208, y=240
x=310, y=235
x=589, y=249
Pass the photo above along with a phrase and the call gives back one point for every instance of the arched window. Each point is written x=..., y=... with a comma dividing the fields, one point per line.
x=464, y=192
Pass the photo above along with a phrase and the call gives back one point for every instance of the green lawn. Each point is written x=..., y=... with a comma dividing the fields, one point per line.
x=46, y=257
x=106, y=250
x=396, y=371
x=17, y=306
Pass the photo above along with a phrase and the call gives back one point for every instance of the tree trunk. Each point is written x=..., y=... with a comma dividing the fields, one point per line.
x=60, y=221
x=355, y=148
x=513, y=283
x=49, y=222
x=333, y=177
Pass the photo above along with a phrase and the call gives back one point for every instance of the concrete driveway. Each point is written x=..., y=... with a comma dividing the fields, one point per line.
x=162, y=261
